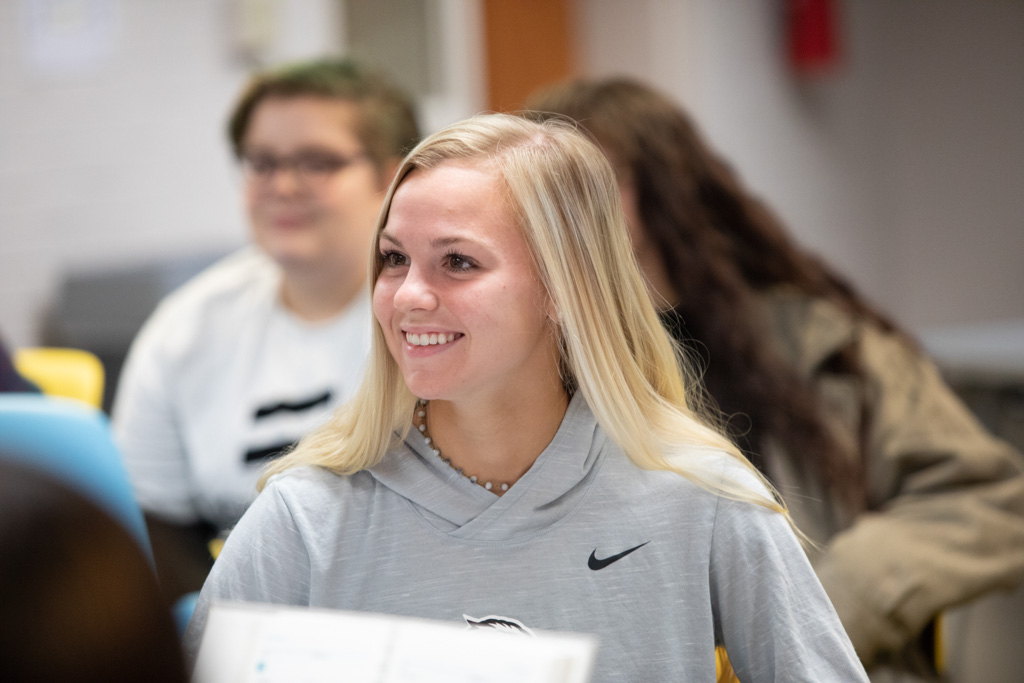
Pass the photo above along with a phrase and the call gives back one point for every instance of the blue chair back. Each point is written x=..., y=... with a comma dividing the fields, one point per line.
x=71, y=442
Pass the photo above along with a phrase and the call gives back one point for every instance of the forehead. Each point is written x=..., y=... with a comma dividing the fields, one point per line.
x=463, y=199
x=290, y=122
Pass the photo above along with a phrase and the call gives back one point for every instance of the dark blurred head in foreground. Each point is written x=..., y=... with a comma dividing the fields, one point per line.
x=80, y=599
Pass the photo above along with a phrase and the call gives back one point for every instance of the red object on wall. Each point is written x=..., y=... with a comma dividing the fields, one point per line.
x=811, y=35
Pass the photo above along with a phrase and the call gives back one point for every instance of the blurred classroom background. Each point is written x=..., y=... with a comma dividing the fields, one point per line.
x=887, y=135
x=898, y=155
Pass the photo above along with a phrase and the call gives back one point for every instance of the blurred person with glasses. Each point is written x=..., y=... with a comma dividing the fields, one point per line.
x=236, y=365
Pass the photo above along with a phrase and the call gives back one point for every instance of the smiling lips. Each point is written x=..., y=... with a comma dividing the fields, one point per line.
x=431, y=338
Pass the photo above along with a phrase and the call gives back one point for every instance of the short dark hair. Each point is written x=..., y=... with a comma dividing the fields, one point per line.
x=386, y=122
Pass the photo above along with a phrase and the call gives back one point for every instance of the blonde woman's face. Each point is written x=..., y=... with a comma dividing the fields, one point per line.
x=465, y=316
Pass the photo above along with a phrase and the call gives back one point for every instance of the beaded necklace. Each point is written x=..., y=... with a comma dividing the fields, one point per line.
x=421, y=414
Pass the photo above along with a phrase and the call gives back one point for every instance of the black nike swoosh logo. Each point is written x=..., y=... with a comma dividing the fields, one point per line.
x=597, y=564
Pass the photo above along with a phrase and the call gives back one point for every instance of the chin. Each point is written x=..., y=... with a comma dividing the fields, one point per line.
x=288, y=248
x=428, y=391
x=425, y=393
x=291, y=258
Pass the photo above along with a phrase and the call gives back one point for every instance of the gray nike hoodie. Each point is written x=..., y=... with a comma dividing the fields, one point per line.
x=658, y=568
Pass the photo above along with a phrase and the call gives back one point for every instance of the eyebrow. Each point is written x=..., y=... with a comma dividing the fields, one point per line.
x=437, y=243
x=304, y=149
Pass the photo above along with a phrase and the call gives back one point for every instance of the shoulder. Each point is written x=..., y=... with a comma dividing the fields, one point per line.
x=309, y=493
x=728, y=490
x=708, y=510
x=694, y=480
x=291, y=508
x=226, y=294
x=310, y=483
x=812, y=331
x=806, y=330
x=225, y=283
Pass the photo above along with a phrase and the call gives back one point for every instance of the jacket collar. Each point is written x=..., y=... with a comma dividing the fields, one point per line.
x=808, y=329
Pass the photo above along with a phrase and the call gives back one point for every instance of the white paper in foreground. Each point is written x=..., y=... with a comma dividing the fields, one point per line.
x=250, y=643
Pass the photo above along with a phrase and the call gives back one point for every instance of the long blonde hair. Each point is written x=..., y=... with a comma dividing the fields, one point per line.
x=613, y=347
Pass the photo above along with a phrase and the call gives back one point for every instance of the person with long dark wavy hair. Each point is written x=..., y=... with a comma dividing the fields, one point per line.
x=915, y=507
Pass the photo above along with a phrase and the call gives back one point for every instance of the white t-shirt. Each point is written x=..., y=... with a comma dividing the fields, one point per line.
x=221, y=378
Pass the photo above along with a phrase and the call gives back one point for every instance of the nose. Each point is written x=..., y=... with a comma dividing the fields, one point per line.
x=415, y=292
x=284, y=180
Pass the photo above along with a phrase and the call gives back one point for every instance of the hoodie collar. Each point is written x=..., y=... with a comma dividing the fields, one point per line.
x=549, y=490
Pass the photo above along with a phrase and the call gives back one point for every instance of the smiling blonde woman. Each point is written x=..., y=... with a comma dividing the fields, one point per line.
x=525, y=449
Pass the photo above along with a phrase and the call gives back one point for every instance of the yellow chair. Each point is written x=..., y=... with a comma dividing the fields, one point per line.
x=72, y=373
x=723, y=668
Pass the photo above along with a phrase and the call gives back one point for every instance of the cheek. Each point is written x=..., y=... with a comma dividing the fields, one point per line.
x=383, y=304
x=525, y=309
x=381, y=297
x=251, y=201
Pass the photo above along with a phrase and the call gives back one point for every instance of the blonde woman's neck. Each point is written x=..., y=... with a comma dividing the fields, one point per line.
x=498, y=439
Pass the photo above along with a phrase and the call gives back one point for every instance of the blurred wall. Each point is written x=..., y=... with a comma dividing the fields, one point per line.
x=112, y=154
x=905, y=167
x=112, y=114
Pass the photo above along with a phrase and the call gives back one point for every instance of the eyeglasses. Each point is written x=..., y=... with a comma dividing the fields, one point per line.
x=309, y=167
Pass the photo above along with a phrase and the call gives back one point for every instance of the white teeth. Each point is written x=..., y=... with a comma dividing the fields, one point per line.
x=429, y=339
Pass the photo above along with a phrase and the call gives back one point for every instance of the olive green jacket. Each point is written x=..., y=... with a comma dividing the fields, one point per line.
x=945, y=518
